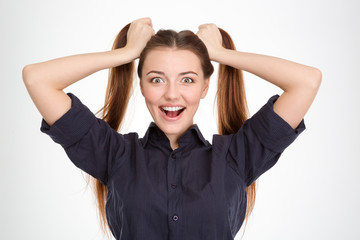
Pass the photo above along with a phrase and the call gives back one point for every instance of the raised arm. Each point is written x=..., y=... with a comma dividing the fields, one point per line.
x=300, y=83
x=45, y=81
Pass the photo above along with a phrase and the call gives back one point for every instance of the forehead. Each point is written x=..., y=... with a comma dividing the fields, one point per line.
x=171, y=60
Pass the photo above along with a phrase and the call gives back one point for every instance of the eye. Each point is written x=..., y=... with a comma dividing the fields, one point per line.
x=156, y=80
x=187, y=80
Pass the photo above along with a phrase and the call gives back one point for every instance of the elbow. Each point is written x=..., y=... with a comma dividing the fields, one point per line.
x=308, y=83
x=27, y=75
x=31, y=76
x=315, y=79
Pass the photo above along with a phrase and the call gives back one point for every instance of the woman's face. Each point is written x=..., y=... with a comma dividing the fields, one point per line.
x=173, y=83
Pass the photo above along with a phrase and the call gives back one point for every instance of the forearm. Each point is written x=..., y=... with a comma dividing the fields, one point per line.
x=287, y=75
x=59, y=73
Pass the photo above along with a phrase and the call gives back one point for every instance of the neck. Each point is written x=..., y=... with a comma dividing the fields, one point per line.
x=173, y=139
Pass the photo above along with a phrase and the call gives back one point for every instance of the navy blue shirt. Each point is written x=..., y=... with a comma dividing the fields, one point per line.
x=196, y=192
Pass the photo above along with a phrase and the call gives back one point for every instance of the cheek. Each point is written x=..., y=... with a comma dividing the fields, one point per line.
x=192, y=97
x=152, y=96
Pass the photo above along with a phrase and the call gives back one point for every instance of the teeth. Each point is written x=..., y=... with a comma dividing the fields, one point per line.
x=172, y=109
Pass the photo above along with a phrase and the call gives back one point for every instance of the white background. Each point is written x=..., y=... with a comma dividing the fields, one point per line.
x=312, y=193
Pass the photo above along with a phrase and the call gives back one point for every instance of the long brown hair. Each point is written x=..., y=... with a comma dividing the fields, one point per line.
x=230, y=95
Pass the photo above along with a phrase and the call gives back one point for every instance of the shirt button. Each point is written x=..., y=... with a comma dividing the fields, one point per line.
x=173, y=185
x=175, y=218
x=173, y=156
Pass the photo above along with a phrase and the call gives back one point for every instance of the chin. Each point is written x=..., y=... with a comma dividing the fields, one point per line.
x=173, y=128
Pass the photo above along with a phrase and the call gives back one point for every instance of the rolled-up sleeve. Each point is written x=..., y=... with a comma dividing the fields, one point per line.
x=90, y=143
x=257, y=146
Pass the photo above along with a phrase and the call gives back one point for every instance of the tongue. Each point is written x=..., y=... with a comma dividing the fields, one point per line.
x=172, y=113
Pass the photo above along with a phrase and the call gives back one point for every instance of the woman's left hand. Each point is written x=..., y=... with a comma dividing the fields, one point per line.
x=211, y=36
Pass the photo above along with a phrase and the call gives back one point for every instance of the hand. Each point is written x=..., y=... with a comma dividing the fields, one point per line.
x=211, y=36
x=139, y=33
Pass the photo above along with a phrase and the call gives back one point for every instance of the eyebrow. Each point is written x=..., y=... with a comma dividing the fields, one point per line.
x=180, y=74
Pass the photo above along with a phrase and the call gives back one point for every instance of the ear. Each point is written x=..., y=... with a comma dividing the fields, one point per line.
x=206, y=87
x=141, y=87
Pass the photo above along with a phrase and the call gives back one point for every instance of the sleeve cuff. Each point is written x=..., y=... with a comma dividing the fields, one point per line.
x=273, y=131
x=69, y=128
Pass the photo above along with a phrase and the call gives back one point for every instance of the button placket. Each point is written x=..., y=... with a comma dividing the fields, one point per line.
x=173, y=185
x=174, y=173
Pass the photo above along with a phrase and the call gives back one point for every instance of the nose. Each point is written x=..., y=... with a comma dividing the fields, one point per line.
x=172, y=91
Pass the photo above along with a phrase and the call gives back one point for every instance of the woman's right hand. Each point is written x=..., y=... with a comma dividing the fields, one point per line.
x=139, y=33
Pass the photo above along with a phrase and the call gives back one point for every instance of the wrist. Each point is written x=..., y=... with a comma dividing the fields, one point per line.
x=124, y=55
x=220, y=55
x=229, y=57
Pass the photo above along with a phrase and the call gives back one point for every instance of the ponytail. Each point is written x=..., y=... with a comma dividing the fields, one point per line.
x=119, y=87
x=232, y=107
x=118, y=92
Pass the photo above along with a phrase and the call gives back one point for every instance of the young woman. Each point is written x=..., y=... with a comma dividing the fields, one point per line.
x=172, y=183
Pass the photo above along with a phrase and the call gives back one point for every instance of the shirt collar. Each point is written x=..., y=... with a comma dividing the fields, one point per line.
x=192, y=135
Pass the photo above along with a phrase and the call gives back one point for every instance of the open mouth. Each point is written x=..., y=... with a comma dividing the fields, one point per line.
x=172, y=112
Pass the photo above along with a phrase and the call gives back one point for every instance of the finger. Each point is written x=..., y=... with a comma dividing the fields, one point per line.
x=147, y=21
x=201, y=26
x=207, y=25
x=141, y=21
